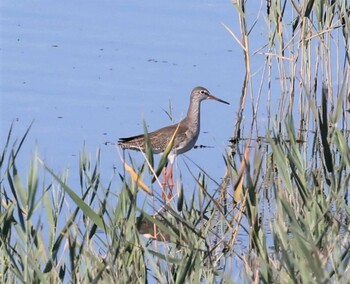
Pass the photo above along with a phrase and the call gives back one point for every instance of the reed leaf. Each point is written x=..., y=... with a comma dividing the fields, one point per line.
x=164, y=159
x=148, y=146
x=78, y=201
x=136, y=178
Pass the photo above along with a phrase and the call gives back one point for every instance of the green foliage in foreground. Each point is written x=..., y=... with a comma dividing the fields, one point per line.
x=280, y=214
x=45, y=238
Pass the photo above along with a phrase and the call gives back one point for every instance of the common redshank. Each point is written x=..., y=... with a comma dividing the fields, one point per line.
x=187, y=131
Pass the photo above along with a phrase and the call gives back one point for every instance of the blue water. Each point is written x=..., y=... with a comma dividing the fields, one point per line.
x=89, y=72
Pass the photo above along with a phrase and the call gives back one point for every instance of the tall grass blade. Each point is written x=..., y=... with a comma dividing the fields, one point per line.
x=136, y=178
x=148, y=146
x=78, y=201
x=164, y=159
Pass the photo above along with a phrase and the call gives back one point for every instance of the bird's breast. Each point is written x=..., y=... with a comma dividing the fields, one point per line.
x=187, y=144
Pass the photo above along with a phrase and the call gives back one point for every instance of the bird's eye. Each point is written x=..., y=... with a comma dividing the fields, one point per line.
x=204, y=92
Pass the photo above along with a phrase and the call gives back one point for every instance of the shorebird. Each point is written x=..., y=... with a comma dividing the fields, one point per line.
x=151, y=231
x=187, y=132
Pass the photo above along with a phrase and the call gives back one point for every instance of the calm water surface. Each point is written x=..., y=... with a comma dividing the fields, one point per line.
x=89, y=72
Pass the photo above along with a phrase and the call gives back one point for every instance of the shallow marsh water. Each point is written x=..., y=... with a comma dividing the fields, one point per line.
x=88, y=73
x=91, y=72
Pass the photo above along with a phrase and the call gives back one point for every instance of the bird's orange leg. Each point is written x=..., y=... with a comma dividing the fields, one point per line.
x=171, y=182
x=164, y=183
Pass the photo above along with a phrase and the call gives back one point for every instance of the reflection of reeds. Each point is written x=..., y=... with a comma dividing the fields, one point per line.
x=280, y=214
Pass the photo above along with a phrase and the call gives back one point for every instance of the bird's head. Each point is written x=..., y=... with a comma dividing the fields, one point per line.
x=200, y=94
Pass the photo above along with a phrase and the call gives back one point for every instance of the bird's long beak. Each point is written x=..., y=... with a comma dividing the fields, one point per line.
x=217, y=99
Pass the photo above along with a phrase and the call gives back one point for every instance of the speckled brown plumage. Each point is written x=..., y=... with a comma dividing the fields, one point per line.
x=159, y=139
x=186, y=135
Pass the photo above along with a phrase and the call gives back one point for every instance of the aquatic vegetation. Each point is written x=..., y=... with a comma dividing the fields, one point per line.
x=280, y=214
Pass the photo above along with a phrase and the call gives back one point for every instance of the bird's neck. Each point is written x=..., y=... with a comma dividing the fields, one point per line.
x=193, y=113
